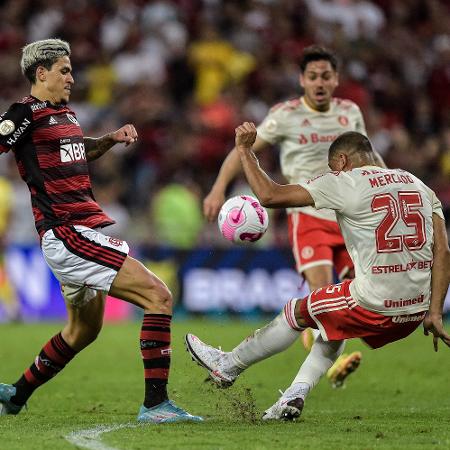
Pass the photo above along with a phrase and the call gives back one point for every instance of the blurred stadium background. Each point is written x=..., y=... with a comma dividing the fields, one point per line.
x=186, y=72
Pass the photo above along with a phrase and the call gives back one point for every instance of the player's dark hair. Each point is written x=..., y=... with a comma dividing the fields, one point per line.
x=351, y=142
x=30, y=72
x=317, y=53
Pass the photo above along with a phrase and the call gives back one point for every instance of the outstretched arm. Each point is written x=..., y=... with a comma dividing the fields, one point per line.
x=440, y=278
x=96, y=147
x=269, y=193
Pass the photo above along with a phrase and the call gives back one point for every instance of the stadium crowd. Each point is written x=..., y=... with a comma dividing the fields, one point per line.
x=186, y=72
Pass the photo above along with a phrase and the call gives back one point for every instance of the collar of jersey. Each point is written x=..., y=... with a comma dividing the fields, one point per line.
x=49, y=104
x=370, y=166
x=309, y=108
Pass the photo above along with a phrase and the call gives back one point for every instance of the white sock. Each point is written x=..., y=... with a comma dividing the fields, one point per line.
x=315, y=333
x=275, y=337
x=301, y=389
x=321, y=357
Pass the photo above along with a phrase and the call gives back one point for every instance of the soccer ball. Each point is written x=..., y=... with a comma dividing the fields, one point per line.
x=243, y=219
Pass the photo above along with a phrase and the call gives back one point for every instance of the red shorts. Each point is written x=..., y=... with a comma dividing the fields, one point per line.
x=317, y=242
x=333, y=311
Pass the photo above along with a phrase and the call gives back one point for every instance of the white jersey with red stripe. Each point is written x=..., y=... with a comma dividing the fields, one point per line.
x=385, y=216
x=304, y=136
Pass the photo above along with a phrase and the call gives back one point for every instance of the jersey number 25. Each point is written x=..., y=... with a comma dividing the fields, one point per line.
x=406, y=208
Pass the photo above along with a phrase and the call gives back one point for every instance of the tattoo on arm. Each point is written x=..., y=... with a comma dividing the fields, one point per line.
x=96, y=147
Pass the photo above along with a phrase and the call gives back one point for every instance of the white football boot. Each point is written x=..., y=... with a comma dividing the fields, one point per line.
x=289, y=406
x=215, y=361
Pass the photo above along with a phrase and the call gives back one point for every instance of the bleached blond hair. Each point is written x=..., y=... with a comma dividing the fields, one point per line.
x=42, y=53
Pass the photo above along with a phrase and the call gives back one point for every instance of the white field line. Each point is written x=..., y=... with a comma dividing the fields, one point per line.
x=91, y=437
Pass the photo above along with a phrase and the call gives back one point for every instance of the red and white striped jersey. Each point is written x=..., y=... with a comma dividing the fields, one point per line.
x=304, y=136
x=385, y=216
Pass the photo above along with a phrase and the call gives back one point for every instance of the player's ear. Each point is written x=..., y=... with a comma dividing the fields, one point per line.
x=41, y=73
x=347, y=162
x=300, y=80
x=343, y=161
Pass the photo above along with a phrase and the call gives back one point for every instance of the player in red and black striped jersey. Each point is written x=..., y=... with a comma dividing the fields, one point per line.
x=49, y=148
x=52, y=157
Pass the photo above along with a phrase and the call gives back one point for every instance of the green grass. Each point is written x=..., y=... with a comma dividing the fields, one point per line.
x=398, y=399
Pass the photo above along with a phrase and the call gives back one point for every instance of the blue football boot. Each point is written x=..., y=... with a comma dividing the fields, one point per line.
x=166, y=412
x=6, y=406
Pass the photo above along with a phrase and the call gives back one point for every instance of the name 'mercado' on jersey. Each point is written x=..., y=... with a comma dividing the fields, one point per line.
x=48, y=145
x=304, y=136
x=385, y=216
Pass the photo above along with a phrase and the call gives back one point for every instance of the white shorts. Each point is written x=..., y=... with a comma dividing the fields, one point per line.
x=83, y=260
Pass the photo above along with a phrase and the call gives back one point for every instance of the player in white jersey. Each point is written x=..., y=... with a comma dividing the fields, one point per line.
x=394, y=229
x=303, y=129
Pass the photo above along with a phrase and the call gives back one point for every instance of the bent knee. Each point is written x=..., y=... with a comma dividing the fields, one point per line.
x=162, y=294
x=156, y=297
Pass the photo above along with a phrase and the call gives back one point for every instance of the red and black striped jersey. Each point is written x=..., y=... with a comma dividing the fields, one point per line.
x=48, y=145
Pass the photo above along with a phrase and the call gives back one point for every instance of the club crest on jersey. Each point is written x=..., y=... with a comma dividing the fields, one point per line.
x=343, y=120
x=7, y=127
x=72, y=152
x=307, y=252
x=72, y=119
x=116, y=242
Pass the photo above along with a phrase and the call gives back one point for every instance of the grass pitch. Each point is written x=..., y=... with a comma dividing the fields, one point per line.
x=398, y=398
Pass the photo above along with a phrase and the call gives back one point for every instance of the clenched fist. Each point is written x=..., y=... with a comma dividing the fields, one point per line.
x=126, y=134
x=245, y=135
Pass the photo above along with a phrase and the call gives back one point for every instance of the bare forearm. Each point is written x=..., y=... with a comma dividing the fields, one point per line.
x=440, y=275
x=231, y=166
x=269, y=193
x=262, y=185
x=439, y=282
x=96, y=147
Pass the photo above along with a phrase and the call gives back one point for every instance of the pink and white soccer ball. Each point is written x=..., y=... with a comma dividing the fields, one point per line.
x=243, y=219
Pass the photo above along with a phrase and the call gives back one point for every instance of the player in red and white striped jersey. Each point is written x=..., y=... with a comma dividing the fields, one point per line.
x=52, y=157
x=394, y=228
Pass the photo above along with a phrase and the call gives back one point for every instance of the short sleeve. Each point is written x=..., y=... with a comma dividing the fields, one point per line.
x=14, y=126
x=360, y=126
x=271, y=128
x=329, y=190
x=436, y=205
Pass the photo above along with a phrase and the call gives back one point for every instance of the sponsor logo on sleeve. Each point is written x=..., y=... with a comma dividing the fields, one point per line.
x=16, y=135
x=7, y=127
